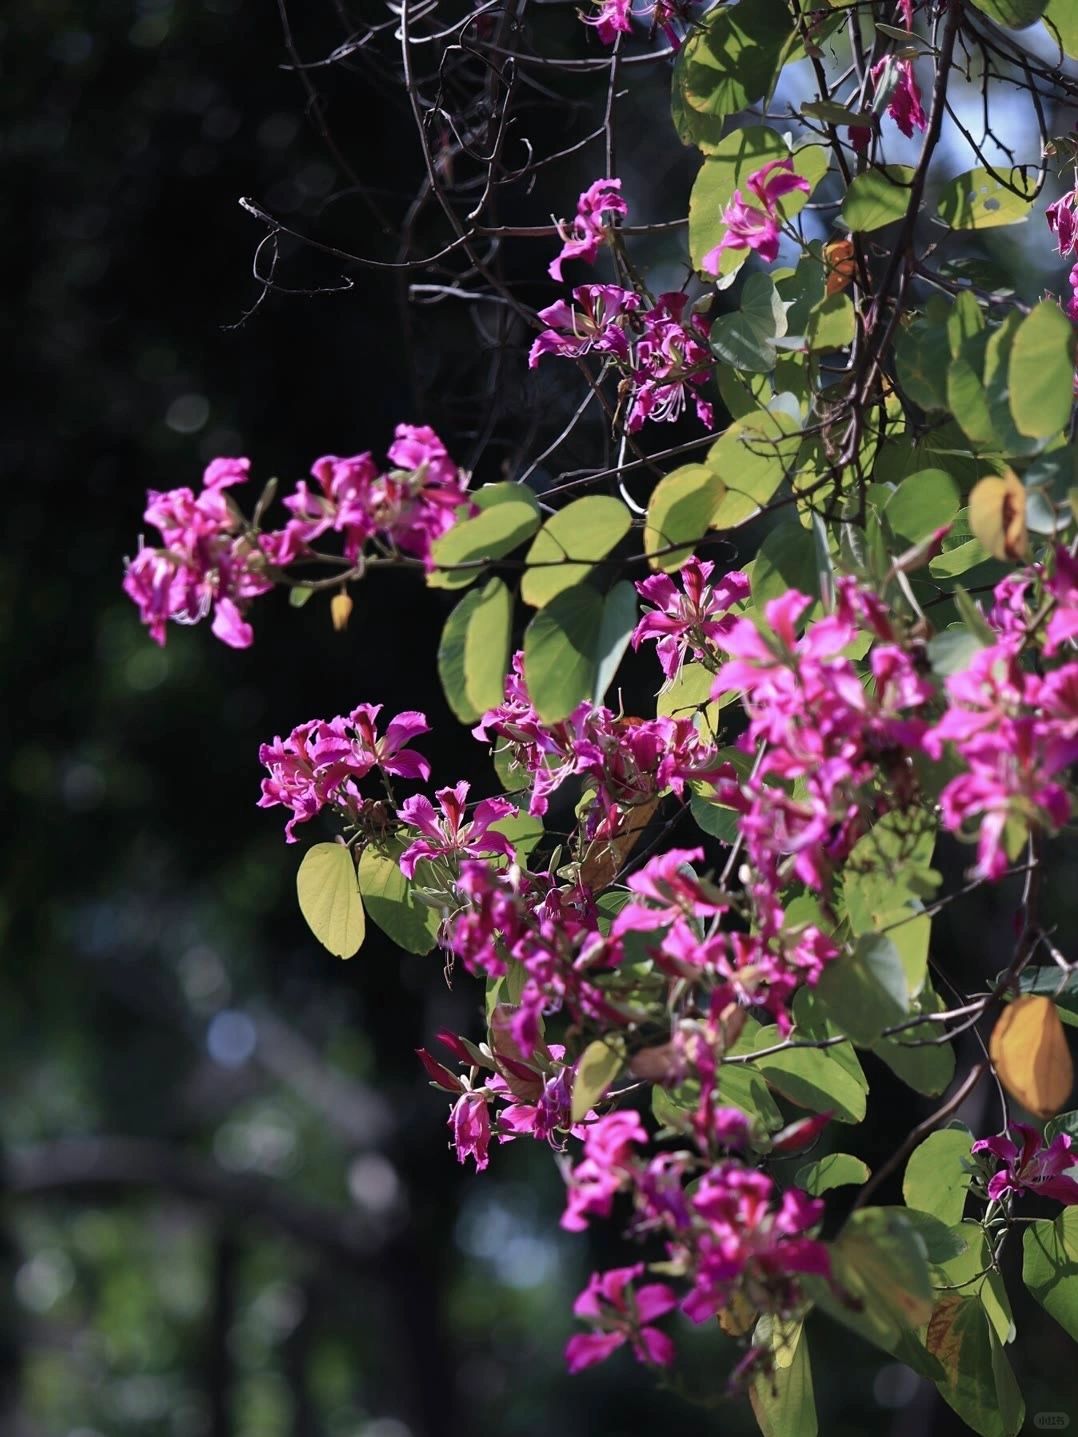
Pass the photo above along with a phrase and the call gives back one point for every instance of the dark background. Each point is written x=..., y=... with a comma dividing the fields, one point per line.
x=229, y=1205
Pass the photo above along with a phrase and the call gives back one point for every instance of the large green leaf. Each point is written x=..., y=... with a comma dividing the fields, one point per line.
x=474, y=650
x=679, y=513
x=785, y=560
x=1050, y=1267
x=560, y=647
x=922, y=355
x=508, y=515
x=1061, y=18
x=730, y=62
x=877, y=198
x=573, y=646
x=813, y=1078
x=882, y=1284
x=973, y=1274
x=979, y=1383
x=922, y=503
x=1041, y=374
x=979, y=200
x=782, y=1398
x=583, y=531
x=391, y=901
x=831, y=324
x=938, y=1175
x=865, y=991
x=836, y=1170
x=1015, y=14
x=615, y=630
x=329, y=898
x=753, y=458
x=745, y=339
x=598, y=1066
x=920, y=1055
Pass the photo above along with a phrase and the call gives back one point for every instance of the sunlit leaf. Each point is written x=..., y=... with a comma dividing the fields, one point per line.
x=938, y=1175
x=979, y=200
x=391, y=902
x=585, y=530
x=836, y=1170
x=509, y=514
x=599, y=1064
x=329, y=898
x=1041, y=375
x=1050, y=1267
x=877, y=197
x=679, y=512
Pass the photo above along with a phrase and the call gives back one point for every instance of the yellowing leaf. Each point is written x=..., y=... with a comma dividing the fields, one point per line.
x=997, y=516
x=340, y=610
x=599, y=1065
x=1029, y=1052
x=604, y=857
x=329, y=898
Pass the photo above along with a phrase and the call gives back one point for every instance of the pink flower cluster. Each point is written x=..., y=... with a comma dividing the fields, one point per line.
x=583, y=237
x=534, y=1093
x=663, y=356
x=757, y=227
x=623, y=762
x=208, y=561
x=728, y=1233
x=213, y=559
x=322, y=762
x=817, y=727
x=615, y=17
x=405, y=509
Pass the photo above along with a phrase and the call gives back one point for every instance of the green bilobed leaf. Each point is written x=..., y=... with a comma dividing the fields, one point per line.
x=599, y=1064
x=882, y=1284
x=585, y=530
x=831, y=323
x=877, y=198
x=782, y=1399
x=486, y=646
x=1015, y=14
x=979, y=1384
x=785, y=560
x=918, y=1055
x=523, y=831
x=1050, y=1267
x=615, y=630
x=977, y=200
x=922, y=355
x=560, y=652
x=922, y=503
x=972, y=1274
x=812, y=1078
x=474, y=651
x=680, y=512
x=837, y=1170
x=714, y=819
x=1041, y=373
x=968, y=398
x=740, y=1087
x=731, y=61
x=1061, y=18
x=938, y=1175
x=694, y=128
x=1061, y=987
x=391, y=901
x=941, y=1243
x=752, y=458
x=965, y=320
x=746, y=338
x=509, y=515
x=689, y=693
x=865, y=991
x=329, y=898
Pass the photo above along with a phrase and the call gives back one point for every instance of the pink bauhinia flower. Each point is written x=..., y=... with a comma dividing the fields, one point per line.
x=452, y=834
x=755, y=227
x=904, y=106
x=597, y=324
x=582, y=238
x=1030, y=1165
x=469, y=1121
x=621, y=1314
x=689, y=619
x=1062, y=217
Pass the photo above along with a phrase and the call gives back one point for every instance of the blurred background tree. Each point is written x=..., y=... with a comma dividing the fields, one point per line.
x=230, y=1207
